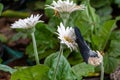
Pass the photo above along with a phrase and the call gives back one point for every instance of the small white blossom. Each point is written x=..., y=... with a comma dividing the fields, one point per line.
x=67, y=36
x=65, y=6
x=96, y=60
x=27, y=22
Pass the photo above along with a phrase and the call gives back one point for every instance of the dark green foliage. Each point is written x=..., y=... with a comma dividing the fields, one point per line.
x=38, y=72
x=64, y=71
x=47, y=42
x=82, y=69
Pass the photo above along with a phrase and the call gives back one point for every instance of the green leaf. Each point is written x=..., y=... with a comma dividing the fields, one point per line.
x=88, y=21
x=64, y=71
x=1, y=60
x=3, y=38
x=114, y=44
x=11, y=13
x=6, y=68
x=114, y=48
x=117, y=2
x=105, y=13
x=112, y=56
x=115, y=35
x=46, y=42
x=75, y=58
x=1, y=8
x=100, y=3
x=82, y=69
x=19, y=35
x=110, y=63
x=53, y=23
x=38, y=72
x=103, y=35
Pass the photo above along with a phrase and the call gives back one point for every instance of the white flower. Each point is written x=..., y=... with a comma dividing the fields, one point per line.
x=96, y=60
x=27, y=22
x=67, y=36
x=65, y=6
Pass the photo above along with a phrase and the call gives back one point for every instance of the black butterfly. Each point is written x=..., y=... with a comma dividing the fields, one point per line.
x=85, y=50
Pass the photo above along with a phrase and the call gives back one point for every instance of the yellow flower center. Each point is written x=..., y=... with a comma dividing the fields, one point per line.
x=68, y=39
x=56, y=13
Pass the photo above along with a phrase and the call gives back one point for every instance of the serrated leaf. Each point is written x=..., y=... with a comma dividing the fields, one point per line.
x=64, y=71
x=88, y=21
x=110, y=63
x=82, y=22
x=114, y=48
x=53, y=23
x=82, y=69
x=115, y=35
x=114, y=44
x=38, y=72
x=6, y=68
x=75, y=58
x=46, y=42
x=103, y=35
x=105, y=12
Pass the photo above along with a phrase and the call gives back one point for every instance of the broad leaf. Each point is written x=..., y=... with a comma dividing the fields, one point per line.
x=82, y=69
x=110, y=63
x=75, y=58
x=38, y=72
x=105, y=13
x=46, y=42
x=112, y=57
x=88, y=21
x=64, y=71
x=103, y=35
x=114, y=49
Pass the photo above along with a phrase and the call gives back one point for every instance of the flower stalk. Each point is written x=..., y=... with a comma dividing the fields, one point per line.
x=57, y=66
x=65, y=17
x=102, y=71
x=35, y=48
x=28, y=24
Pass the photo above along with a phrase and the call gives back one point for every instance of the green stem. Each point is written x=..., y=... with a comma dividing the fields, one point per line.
x=102, y=71
x=65, y=17
x=59, y=55
x=64, y=22
x=35, y=48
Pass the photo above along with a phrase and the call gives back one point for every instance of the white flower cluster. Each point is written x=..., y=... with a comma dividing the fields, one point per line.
x=27, y=22
x=67, y=36
x=65, y=6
